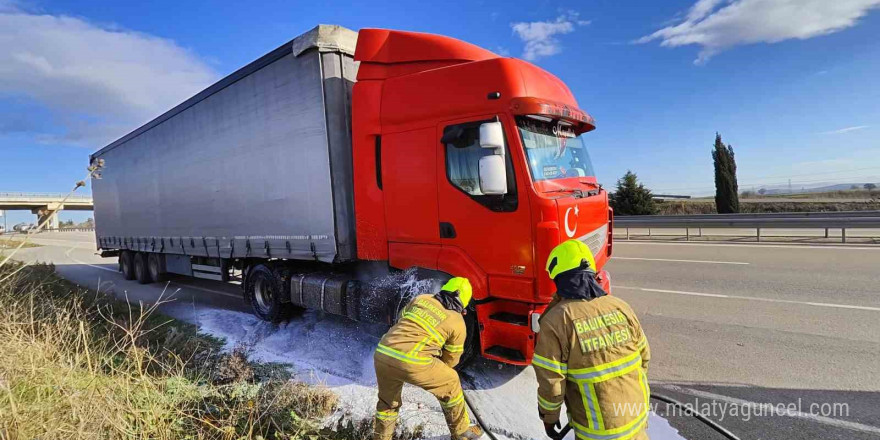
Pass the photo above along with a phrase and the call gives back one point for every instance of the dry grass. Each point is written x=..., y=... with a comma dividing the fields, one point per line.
x=77, y=365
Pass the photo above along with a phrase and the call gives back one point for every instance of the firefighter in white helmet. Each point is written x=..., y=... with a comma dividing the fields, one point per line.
x=591, y=355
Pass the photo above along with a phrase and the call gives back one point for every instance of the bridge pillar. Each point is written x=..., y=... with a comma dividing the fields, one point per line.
x=49, y=213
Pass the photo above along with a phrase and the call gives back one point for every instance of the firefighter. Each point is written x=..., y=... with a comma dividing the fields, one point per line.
x=591, y=354
x=422, y=349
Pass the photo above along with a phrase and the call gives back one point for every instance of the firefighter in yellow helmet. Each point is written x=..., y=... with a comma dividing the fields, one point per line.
x=591, y=354
x=422, y=349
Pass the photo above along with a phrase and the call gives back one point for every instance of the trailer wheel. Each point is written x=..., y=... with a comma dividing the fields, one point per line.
x=126, y=265
x=141, y=271
x=265, y=291
x=156, y=265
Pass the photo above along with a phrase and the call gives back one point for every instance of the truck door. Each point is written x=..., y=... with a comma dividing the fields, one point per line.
x=409, y=168
x=494, y=231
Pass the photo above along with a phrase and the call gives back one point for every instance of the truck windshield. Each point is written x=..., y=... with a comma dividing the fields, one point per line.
x=553, y=151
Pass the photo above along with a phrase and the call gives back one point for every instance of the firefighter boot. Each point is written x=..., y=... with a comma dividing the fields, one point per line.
x=473, y=433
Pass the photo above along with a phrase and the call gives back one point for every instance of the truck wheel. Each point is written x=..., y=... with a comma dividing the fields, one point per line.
x=155, y=263
x=265, y=290
x=126, y=265
x=141, y=271
x=472, y=341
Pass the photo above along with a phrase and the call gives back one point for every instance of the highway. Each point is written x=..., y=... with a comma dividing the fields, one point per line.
x=737, y=325
x=732, y=327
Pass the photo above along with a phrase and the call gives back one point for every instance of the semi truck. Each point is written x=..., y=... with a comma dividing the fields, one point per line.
x=334, y=168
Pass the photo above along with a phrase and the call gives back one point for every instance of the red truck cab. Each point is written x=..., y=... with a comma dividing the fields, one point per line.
x=419, y=105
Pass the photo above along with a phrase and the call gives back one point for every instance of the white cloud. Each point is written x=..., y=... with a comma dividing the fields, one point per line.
x=716, y=25
x=540, y=36
x=98, y=82
x=846, y=129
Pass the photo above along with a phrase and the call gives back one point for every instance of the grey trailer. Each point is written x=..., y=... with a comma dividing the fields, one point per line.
x=257, y=165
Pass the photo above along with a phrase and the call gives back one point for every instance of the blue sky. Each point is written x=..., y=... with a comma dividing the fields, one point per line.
x=792, y=85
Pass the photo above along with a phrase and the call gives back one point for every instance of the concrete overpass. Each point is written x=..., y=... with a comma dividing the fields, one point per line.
x=45, y=205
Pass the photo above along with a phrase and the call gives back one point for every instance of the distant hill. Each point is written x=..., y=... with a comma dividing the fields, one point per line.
x=783, y=189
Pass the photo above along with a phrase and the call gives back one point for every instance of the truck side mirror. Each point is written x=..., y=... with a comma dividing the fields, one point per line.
x=492, y=136
x=493, y=172
x=493, y=175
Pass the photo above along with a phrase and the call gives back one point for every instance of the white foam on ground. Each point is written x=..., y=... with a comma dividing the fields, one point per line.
x=324, y=350
x=338, y=354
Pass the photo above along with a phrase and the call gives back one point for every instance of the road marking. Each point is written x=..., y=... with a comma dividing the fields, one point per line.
x=752, y=298
x=764, y=246
x=775, y=409
x=844, y=306
x=711, y=295
x=679, y=261
x=72, y=258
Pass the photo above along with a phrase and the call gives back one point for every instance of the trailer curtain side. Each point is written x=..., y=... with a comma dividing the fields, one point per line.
x=257, y=165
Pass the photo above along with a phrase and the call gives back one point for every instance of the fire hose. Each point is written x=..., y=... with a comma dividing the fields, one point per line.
x=663, y=398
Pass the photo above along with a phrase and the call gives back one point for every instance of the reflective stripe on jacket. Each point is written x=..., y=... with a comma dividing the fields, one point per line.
x=425, y=330
x=593, y=356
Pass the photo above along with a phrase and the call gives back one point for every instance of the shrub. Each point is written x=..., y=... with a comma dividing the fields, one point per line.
x=632, y=198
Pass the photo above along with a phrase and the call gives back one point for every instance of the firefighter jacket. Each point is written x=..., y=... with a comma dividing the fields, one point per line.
x=424, y=331
x=593, y=356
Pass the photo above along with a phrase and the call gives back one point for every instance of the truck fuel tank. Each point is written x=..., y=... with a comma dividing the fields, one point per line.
x=340, y=294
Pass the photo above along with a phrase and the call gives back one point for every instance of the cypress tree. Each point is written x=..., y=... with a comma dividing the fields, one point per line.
x=726, y=188
x=631, y=197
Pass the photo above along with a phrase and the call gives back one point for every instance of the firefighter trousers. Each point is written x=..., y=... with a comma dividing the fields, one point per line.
x=436, y=378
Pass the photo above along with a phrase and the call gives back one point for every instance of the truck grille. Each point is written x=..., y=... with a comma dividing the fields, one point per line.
x=595, y=240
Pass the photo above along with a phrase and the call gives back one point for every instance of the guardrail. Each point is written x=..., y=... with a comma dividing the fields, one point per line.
x=807, y=220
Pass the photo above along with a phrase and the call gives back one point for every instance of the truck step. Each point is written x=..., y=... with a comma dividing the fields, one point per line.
x=510, y=318
x=506, y=353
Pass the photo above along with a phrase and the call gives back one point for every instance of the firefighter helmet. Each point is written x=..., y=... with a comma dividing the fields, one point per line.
x=462, y=287
x=571, y=254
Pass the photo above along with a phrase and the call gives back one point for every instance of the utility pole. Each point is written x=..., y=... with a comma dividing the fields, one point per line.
x=789, y=186
x=5, y=226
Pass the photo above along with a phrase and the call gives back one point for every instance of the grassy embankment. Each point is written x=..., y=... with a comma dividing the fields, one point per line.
x=77, y=364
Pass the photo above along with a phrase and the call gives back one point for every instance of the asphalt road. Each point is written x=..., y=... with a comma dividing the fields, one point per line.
x=733, y=328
